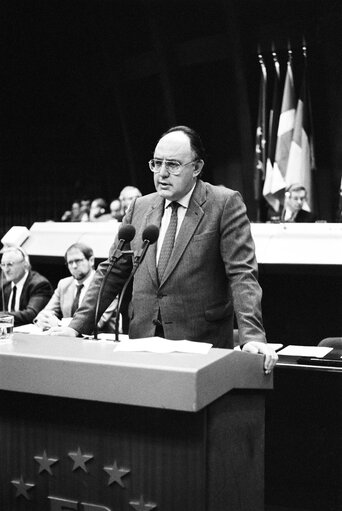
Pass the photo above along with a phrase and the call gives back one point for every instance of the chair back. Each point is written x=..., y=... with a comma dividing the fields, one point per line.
x=331, y=342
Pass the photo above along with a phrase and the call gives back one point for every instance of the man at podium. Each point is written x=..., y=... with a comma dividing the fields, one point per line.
x=204, y=255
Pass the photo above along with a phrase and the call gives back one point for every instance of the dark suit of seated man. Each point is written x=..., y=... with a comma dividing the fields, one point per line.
x=24, y=292
x=292, y=211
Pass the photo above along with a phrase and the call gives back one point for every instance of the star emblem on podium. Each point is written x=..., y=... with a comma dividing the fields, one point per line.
x=116, y=474
x=80, y=459
x=45, y=462
x=22, y=487
x=141, y=505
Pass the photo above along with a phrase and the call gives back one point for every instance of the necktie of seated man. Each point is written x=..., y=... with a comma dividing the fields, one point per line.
x=14, y=295
x=76, y=302
x=169, y=241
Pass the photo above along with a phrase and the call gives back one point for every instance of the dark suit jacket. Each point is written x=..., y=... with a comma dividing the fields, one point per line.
x=305, y=216
x=35, y=295
x=301, y=217
x=213, y=259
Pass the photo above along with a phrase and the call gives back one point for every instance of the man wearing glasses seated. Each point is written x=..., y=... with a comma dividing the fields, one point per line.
x=24, y=292
x=70, y=291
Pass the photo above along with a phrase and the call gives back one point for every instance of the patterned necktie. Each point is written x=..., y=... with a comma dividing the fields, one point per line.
x=14, y=294
x=76, y=301
x=169, y=241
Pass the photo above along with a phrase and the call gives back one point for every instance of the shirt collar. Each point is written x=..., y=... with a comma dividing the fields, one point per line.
x=86, y=281
x=184, y=201
x=21, y=282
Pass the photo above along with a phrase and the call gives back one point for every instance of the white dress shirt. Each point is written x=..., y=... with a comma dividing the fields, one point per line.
x=19, y=285
x=181, y=211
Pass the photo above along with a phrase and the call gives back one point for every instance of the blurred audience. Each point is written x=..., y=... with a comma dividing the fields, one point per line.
x=127, y=194
x=24, y=292
x=74, y=215
x=85, y=209
x=99, y=211
x=116, y=210
x=70, y=292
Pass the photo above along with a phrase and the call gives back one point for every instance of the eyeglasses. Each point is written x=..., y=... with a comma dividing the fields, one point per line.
x=10, y=265
x=75, y=261
x=173, y=167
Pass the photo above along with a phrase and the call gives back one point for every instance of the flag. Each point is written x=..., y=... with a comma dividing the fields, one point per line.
x=285, y=131
x=272, y=138
x=260, y=138
x=301, y=159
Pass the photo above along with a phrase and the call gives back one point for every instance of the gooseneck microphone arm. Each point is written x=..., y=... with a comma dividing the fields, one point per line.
x=125, y=235
x=149, y=236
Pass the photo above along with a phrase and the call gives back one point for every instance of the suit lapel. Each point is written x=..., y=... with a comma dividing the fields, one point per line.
x=189, y=225
x=68, y=299
x=23, y=297
x=154, y=216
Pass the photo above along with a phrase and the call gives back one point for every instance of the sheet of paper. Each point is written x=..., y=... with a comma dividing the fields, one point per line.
x=30, y=328
x=305, y=351
x=160, y=345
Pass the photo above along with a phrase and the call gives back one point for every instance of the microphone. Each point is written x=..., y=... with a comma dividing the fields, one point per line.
x=126, y=234
x=149, y=236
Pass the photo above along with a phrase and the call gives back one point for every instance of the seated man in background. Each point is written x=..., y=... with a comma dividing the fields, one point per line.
x=74, y=214
x=115, y=210
x=127, y=194
x=99, y=211
x=24, y=292
x=295, y=198
x=70, y=291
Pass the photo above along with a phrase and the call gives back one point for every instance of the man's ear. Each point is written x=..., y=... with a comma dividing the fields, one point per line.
x=199, y=164
x=92, y=261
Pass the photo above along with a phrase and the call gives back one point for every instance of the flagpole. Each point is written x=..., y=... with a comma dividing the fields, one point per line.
x=260, y=147
x=313, y=145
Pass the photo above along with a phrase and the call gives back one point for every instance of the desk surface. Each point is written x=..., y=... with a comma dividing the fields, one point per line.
x=93, y=370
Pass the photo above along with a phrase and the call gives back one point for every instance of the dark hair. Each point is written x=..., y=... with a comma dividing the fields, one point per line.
x=86, y=251
x=196, y=143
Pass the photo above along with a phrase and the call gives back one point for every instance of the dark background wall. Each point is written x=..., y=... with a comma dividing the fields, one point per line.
x=89, y=85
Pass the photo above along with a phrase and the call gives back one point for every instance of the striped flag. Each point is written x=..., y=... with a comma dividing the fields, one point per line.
x=301, y=161
x=275, y=179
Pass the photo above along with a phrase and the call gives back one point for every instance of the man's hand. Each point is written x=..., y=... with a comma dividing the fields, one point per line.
x=62, y=331
x=261, y=347
x=46, y=319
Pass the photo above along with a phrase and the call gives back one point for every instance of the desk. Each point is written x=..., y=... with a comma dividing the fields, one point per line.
x=84, y=427
x=300, y=271
x=303, y=454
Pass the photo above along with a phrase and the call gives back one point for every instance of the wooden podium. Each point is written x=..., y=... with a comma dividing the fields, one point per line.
x=85, y=427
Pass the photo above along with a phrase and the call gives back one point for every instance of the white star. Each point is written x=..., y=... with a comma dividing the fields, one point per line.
x=45, y=462
x=116, y=474
x=22, y=488
x=80, y=459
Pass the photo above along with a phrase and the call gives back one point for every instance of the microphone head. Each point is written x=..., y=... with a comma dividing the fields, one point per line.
x=126, y=232
x=151, y=233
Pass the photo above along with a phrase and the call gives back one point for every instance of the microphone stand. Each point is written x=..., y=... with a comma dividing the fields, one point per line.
x=136, y=262
x=115, y=257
